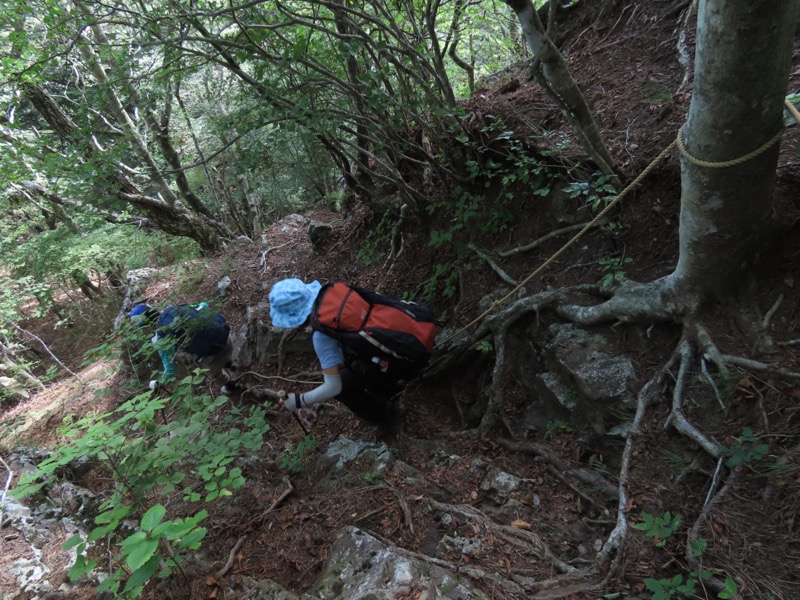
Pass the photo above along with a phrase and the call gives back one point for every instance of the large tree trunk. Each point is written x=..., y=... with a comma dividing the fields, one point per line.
x=742, y=62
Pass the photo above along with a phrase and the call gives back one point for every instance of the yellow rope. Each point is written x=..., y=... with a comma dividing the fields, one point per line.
x=648, y=169
x=592, y=223
x=727, y=163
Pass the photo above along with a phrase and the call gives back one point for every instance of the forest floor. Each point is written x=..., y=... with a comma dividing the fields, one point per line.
x=628, y=63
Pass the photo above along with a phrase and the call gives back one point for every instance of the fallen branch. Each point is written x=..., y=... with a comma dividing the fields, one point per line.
x=224, y=570
x=46, y=349
x=755, y=365
x=522, y=539
x=542, y=240
x=493, y=265
x=587, y=476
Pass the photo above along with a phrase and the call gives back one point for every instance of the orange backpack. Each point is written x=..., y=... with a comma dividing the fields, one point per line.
x=369, y=323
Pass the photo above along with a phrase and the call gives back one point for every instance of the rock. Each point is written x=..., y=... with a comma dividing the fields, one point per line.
x=224, y=286
x=361, y=567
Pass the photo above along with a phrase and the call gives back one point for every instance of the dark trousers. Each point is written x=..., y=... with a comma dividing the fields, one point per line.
x=368, y=391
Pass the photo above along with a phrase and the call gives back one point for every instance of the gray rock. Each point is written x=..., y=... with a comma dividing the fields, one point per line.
x=361, y=567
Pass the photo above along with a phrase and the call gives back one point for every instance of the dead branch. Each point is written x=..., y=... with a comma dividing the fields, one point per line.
x=696, y=531
x=526, y=541
x=224, y=570
x=755, y=365
x=542, y=240
x=46, y=348
x=493, y=265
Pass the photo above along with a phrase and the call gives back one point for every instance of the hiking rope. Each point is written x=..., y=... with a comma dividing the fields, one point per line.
x=727, y=163
x=678, y=141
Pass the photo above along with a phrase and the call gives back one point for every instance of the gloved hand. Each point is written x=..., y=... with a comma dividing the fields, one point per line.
x=307, y=416
x=154, y=385
x=292, y=401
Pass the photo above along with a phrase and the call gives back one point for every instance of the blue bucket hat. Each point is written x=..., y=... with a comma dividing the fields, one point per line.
x=290, y=302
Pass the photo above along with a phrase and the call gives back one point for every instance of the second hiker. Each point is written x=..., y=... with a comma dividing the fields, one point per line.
x=368, y=344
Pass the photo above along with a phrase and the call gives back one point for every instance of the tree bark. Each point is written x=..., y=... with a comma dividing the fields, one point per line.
x=557, y=75
x=744, y=48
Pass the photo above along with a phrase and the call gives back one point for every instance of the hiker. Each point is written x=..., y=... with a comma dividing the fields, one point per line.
x=196, y=329
x=368, y=344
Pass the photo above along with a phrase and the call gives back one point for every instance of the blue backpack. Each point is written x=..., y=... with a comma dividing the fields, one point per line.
x=201, y=331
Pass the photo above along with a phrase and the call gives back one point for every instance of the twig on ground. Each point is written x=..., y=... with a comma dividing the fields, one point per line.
x=224, y=570
x=522, y=539
x=694, y=534
x=494, y=266
x=755, y=365
x=771, y=312
x=542, y=240
x=587, y=476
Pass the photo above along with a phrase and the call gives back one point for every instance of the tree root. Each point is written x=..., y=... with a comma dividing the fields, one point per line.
x=526, y=541
x=610, y=556
x=676, y=417
x=587, y=476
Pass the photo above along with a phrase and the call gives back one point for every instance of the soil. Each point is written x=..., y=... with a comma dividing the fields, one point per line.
x=627, y=61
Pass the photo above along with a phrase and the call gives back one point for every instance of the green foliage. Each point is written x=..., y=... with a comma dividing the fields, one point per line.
x=484, y=347
x=664, y=589
x=659, y=528
x=444, y=278
x=612, y=269
x=372, y=477
x=376, y=244
x=731, y=589
x=596, y=193
x=293, y=456
x=746, y=450
x=557, y=426
x=149, y=454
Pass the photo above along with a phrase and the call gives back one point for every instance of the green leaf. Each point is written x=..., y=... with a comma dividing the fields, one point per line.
x=153, y=517
x=138, y=554
x=143, y=574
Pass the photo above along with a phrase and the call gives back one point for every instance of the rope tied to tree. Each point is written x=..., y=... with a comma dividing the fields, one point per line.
x=678, y=141
x=727, y=163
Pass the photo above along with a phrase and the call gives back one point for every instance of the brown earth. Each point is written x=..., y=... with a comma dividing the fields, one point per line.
x=627, y=62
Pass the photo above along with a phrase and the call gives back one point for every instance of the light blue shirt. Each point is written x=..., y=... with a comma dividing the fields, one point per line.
x=328, y=350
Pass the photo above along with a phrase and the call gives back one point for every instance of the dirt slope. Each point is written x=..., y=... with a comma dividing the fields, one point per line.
x=628, y=62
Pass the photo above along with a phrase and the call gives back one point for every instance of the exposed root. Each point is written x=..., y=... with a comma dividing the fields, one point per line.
x=610, y=556
x=587, y=476
x=634, y=303
x=523, y=540
x=676, y=417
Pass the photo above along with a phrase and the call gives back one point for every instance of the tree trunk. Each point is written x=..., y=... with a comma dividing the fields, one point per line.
x=742, y=63
x=562, y=85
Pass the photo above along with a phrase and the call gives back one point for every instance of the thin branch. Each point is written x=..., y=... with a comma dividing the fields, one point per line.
x=38, y=339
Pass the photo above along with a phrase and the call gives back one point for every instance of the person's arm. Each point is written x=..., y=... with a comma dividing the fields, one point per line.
x=331, y=359
x=330, y=388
